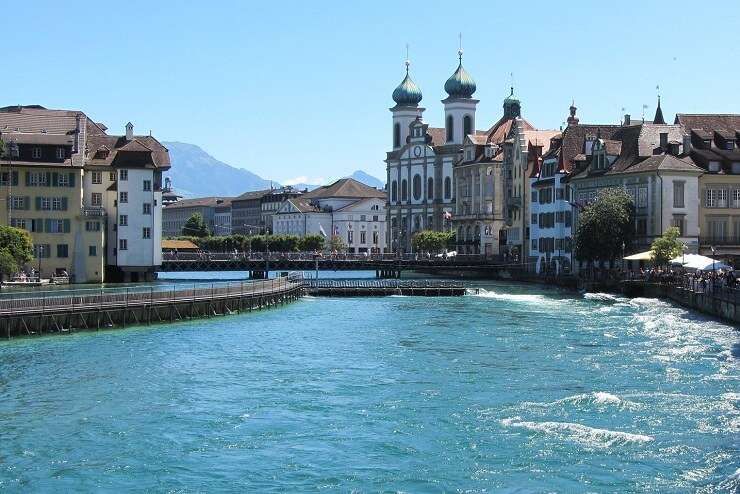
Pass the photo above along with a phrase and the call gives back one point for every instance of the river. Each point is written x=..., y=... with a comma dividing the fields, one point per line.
x=516, y=389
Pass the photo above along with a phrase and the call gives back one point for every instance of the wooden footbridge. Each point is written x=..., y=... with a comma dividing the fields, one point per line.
x=65, y=310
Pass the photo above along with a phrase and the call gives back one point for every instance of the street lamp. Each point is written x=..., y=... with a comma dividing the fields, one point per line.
x=713, y=251
x=684, y=248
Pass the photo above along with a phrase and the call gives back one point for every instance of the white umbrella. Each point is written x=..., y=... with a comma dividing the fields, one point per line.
x=696, y=262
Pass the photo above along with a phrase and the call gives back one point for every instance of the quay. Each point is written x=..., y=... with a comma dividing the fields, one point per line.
x=379, y=288
x=60, y=311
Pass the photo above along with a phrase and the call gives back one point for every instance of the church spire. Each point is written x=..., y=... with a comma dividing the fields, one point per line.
x=658, y=119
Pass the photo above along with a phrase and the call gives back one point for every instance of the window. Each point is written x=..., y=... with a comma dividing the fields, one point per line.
x=97, y=199
x=92, y=226
x=4, y=178
x=430, y=188
x=678, y=190
x=147, y=208
x=123, y=174
x=123, y=220
x=122, y=244
x=36, y=153
x=448, y=187
x=467, y=125
x=112, y=176
x=45, y=203
x=375, y=217
x=417, y=187
x=147, y=185
x=714, y=166
x=642, y=196
x=534, y=219
x=735, y=198
x=63, y=180
x=123, y=197
x=42, y=251
x=363, y=237
x=641, y=226
x=678, y=221
x=715, y=198
x=61, y=154
x=560, y=193
x=404, y=190
x=350, y=236
x=396, y=135
x=37, y=179
x=97, y=177
x=19, y=203
x=92, y=251
x=717, y=229
x=450, y=128
x=62, y=250
x=59, y=203
x=534, y=196
x=18, y=223
x=534, y=244
x=55, y=226
x=375, y=237
x=146, y=232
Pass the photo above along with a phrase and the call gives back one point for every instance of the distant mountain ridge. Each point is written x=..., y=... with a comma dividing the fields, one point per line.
x=195, y=173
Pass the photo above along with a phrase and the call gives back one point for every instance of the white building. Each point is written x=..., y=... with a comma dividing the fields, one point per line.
x=347, y=208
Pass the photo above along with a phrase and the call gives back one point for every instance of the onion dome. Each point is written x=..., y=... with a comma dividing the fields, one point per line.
x=511, y=98
x=407, y=93
x=460, y=84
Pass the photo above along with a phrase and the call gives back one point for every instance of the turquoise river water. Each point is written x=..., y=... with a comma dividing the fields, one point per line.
x=516, y=389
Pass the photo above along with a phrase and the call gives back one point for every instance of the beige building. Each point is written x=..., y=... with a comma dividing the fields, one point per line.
x=712, y=141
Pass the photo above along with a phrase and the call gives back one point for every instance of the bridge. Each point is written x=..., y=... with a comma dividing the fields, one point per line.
x=384, y=265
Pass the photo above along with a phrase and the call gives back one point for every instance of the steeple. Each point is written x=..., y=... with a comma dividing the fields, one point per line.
x=658, y=119
x=512, y=106
x=460, y=84
x=407, y=93
x=572, y=119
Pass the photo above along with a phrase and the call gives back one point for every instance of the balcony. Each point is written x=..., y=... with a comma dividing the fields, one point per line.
x=93, y=211
x=717, y=241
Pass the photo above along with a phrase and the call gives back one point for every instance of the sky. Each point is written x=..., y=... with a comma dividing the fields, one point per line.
x=301, y=90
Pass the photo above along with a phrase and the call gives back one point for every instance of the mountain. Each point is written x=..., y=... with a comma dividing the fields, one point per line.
x=195, y=173
x=368, y=179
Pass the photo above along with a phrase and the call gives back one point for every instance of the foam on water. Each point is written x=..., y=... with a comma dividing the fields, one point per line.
x=582, y=434
x=604, y=297
x=514, y=297
x=597, y=398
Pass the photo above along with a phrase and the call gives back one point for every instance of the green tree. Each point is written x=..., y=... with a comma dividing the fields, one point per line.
x=16, y=249
x=195, y=226
x=336, y=243
x=311, y=243
x=605, y=227
x=667, y=246
x=432, y=241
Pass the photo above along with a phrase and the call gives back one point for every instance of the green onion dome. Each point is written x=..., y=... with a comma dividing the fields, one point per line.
x=407, y=93
x=460, y=84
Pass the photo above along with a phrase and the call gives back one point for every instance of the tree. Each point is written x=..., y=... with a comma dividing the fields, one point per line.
x=337, y=244
x=16, y=249
x=195, y=226
x=606, y=227
x=311, y=243
x=431, y=241
x=667, y=246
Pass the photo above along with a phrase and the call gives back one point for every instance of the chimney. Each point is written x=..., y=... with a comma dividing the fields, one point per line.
x=129, y=131
x=572, y=119
x=77, y=142
x=686, y=144
x=664, y=141
x=626, y=119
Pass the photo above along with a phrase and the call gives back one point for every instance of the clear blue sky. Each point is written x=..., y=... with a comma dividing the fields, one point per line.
x=290, y=89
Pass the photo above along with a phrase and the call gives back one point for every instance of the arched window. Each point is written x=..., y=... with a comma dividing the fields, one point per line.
x=467, y=125
x=417, y=187
x=448, y=187
x=396, y=135
x=404, y=190
x=394, y=191
x=430, y=188
x=450, y=128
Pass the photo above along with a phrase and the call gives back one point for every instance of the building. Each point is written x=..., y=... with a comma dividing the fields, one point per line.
x=175, y=215
x=169, y=195
x=647, y=160
x=419, y=168
x=76, y=187
x=270, y=204
x=712, y=143
x=246, y=213
x=347, y=208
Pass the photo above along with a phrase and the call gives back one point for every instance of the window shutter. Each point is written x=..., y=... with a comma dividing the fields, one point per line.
x=54, y=179
x=64, y=203
x=40, y=225
x=47, y=225
x=14, y=179
x=48, y=178
x=28, y=179
x=26, y=203
x=38, y=203
x=66, y=226
x=71, y=179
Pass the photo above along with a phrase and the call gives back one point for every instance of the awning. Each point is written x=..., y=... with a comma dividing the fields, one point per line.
x=696, y=261
x=640, y=256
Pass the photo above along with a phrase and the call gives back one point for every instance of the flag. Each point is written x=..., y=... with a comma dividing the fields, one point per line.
x=321, y=230
x=447, y=215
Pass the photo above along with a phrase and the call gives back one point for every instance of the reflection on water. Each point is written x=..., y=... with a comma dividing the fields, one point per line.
x=513, y=388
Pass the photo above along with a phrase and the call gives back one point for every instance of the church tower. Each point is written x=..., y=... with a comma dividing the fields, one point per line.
x=407, y=97
x=459, y=105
